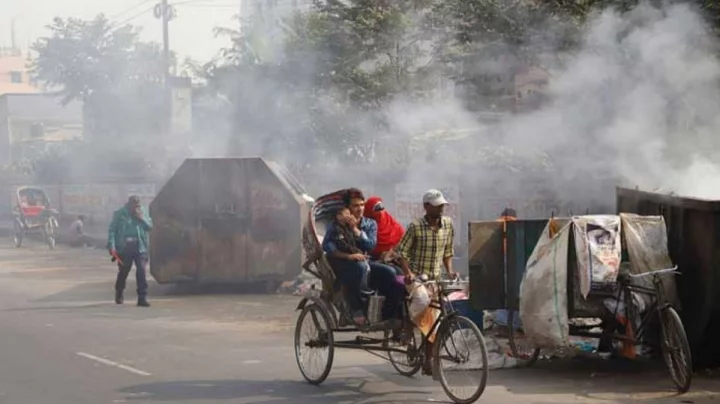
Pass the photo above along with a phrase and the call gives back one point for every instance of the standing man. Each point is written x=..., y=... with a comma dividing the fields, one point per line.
x=128, y=241
x=426, y=246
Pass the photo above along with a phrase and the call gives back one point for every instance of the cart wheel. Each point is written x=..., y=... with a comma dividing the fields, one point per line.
x=314, y=344
x=521, y=348
x=676, y=349
x=461, y=343
x=409, y=362
x=18, y=234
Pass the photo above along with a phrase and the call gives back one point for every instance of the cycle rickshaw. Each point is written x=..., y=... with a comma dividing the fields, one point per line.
x=324, y=319
x=33, y=214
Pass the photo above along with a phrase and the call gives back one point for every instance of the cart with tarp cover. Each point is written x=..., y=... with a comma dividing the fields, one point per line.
x=561, y=274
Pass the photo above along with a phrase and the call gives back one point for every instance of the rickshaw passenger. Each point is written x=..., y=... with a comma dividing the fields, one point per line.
x=346, y=242
x=383, y=277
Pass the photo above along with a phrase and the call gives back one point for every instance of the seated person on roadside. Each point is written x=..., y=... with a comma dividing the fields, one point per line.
x=76, y=235
x=346, y=242
x=383, y=277
x=426, y=246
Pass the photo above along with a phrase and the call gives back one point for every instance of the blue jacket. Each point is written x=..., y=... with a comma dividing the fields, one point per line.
x=125, y=225
x=366, y=242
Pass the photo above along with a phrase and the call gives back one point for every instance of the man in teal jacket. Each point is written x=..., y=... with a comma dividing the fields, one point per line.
x=128, y=242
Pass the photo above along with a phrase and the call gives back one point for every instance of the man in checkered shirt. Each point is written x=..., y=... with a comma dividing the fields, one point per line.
x=428, y=241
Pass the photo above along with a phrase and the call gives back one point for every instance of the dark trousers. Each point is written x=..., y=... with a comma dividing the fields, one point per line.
x=352, y=275
x=129, y=256
x=80, y=241
x=383, y=279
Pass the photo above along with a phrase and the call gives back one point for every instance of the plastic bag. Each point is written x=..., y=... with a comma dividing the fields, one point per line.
x=419, y=300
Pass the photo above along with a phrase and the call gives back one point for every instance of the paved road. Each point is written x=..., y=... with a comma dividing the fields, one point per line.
x=64, y=342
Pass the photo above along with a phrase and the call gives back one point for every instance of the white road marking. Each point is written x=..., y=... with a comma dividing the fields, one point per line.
x=114, y=364
x=250, y=362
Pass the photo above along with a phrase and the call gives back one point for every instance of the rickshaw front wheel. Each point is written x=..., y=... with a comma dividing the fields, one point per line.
x=676, y=349
x=461, y=344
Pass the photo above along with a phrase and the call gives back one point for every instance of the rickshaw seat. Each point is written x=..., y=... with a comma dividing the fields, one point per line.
x=32, y=211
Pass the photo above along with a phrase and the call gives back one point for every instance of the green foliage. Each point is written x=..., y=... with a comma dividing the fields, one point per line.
x=118, y=78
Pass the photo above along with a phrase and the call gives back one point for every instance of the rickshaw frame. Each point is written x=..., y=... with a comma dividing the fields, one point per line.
x=329, y=303
x=45, y=221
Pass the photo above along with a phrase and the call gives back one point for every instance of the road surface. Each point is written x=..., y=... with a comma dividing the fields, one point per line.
x=65, y=342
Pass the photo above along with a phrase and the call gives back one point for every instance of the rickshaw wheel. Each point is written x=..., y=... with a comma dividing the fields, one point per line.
x=50, y=230
x=459, y=330
x=410, y=362
x=313, y=333
x=18, y=234
x=676, y=349
x=526, y=355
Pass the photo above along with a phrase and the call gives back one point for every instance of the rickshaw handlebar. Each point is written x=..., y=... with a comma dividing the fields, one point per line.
x=656, y=272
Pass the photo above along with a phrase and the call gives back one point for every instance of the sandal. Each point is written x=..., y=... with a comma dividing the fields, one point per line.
x=359, y=319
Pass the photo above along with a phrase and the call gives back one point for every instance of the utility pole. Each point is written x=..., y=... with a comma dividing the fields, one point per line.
x=13, y=43
x=165, y=13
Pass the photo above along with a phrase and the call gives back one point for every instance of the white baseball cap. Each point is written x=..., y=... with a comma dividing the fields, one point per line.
x=434, y=197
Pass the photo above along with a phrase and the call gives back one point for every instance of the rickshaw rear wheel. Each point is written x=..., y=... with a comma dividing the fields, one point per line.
x=456, y=330
x=18, y=234
x=519, y=351
x=314, y=335
x=676, y=349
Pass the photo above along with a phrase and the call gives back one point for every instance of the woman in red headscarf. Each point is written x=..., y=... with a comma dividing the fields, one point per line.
x=385, y=278
x=390, y=232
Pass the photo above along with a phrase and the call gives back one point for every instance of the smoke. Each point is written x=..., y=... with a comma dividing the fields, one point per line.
x=634, y=104
x=638, y=102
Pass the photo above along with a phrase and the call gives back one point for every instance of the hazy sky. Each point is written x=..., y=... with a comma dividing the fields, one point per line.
x=190, y=33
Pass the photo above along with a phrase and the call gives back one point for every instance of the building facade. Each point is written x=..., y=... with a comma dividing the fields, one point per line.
x=32, y=123
x=14, y=73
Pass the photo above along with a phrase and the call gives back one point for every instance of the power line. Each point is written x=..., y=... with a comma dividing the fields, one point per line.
x=127, y=10
x=134, y=16
x=208, y=2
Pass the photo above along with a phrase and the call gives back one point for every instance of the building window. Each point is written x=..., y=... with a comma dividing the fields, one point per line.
x=15, y=77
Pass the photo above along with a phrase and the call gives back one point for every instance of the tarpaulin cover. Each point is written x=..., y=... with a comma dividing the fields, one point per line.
x=543, y=291
x=647, y=248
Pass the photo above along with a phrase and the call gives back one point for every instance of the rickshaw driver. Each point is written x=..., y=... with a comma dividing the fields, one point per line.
x=427, y=243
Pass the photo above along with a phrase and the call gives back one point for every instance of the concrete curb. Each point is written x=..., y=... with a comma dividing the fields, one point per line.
x=93, y=239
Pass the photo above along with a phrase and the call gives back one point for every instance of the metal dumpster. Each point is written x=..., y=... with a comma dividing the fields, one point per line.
x=497, y=271
x=227, y=220
x=693, y=227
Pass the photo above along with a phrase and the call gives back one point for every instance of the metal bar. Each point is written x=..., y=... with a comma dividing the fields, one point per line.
x=350, y=345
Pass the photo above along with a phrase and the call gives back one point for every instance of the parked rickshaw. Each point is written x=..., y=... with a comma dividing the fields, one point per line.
x=644, y=298
x=324, y=318
x=33, y=214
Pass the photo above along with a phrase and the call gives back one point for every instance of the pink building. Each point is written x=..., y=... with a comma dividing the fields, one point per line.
x=14, y=75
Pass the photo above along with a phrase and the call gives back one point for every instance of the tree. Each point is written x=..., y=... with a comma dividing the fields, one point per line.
x=117, y=77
